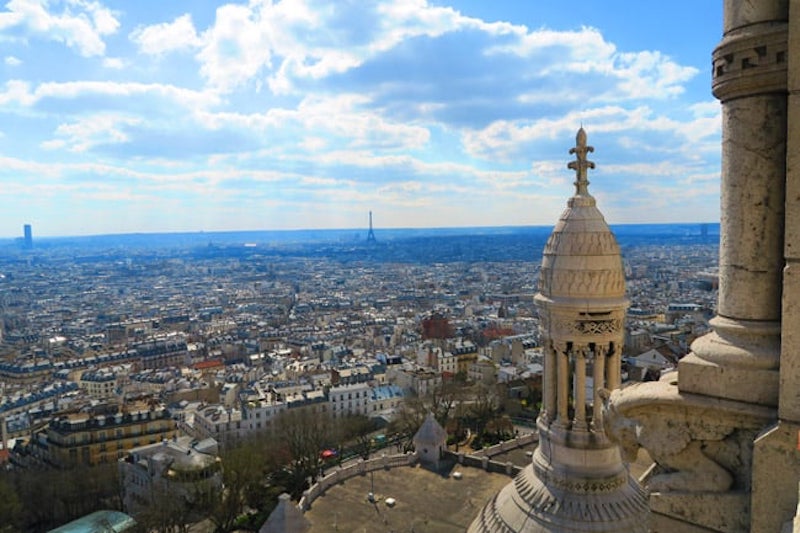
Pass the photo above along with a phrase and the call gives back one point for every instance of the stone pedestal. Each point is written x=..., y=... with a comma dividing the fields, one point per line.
x=702, y=446
x=721, y=512
x=776, y=471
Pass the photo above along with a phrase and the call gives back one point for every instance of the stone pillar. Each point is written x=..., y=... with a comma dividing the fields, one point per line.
x=739, y=360
x=599, y=382
x=580, y=390
x=776, y=458
x=562, y=389
x=789, y=406
x=614, y=372
x=549, y=384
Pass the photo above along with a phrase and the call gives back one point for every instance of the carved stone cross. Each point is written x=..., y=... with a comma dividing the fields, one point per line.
x=581, y=164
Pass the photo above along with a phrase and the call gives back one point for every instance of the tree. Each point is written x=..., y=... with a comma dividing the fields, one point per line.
x=357, y=429
x=442, y=402
x=304, y=433
x=243, y=484
x=168, y=511
x=10, y=506
x=482, y=407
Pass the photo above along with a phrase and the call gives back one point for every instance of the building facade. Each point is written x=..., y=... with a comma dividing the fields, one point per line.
x=102, y=435
x=173, y=468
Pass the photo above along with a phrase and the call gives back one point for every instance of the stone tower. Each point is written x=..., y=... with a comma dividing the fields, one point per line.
x=725, y=431
x=577, y=481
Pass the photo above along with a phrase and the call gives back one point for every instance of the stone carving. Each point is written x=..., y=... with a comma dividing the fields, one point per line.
x=577, y=486
x=581, y=283
x=747, y=65
x=598, y=327
x=698, y=442
x=581, y=164
x=571, y=327
x=581, y=244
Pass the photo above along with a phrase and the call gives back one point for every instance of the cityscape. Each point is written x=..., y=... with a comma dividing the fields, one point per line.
x=111, y=345
x=300, y=266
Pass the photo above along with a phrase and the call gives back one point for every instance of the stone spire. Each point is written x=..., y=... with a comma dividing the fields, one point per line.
x=577, y=481
x=581, y=164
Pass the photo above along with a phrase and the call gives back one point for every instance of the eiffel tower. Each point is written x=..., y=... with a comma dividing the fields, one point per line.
x=371, y=234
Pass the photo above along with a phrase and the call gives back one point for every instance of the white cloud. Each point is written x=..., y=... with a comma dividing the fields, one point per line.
x=504, y=139
x=80, y=24
x=81, y=135
x=299, y=39
x=644, y=74
x=344, y=118
x=12, y=61
x=159, y=39
x=18, y=92
x=115, y=63
x=235, y=48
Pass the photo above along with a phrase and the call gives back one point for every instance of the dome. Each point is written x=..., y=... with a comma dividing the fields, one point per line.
x=527, y=505
x=581, y=259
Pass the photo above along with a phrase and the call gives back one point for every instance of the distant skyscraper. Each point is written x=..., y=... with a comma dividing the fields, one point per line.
x=28, y=236
x=371, y=234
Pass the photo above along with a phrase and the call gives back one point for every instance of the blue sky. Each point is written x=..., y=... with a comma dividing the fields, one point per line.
x=121, y=116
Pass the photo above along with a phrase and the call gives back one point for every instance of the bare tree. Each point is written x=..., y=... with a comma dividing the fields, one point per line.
x=357, y=429
x=304, y=434
x=10, y=506
x=244, y=473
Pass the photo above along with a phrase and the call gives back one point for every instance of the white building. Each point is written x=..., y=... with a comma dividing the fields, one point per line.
x=223, y=424
x=173, y=469
x=346, y=400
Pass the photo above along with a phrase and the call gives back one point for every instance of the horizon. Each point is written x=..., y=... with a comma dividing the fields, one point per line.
x=151, y=117
x=378, y=230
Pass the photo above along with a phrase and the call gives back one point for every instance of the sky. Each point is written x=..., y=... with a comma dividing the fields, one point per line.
x=120, y=116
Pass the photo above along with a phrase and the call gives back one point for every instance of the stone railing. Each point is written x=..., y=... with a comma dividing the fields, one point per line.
x=360, y=467
x=508, y=445
x=483, y=458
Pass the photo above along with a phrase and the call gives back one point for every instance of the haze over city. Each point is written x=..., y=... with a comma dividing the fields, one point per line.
x=121, y=117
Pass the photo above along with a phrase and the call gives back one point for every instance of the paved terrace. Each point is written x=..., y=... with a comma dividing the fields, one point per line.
x=426, y=502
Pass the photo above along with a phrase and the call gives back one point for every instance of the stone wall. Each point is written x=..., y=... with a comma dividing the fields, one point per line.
x=480, y=460
x=360, y=467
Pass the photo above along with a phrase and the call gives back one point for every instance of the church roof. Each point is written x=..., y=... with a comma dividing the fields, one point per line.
x=582, y=258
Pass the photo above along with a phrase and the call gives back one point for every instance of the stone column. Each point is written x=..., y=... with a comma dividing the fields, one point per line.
x=739, y=360
x=599, y=382
x=550, y=384
x=613, y=375
x=789, y=407
x=562, y=387
x=776, y=464
x=580, y=389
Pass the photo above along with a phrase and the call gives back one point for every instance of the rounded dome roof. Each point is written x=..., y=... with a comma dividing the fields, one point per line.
x=581, y=258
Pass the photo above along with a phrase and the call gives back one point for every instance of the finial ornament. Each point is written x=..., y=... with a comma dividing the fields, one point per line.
x=581, y=164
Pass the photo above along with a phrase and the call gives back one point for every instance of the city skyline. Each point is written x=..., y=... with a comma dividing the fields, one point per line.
x=210, y=116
